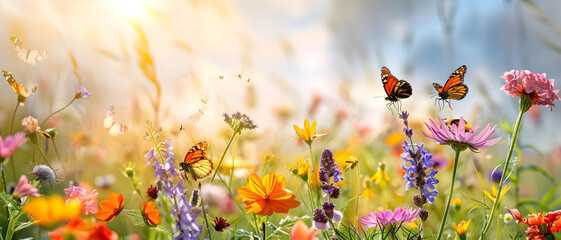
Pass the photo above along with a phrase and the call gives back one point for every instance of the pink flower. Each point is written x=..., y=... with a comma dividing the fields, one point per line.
x=460, y=134
x=88, y=202
x=24, y=189
x=12, y=142
x=387, y=217
x=29, y=124
x=535, y=86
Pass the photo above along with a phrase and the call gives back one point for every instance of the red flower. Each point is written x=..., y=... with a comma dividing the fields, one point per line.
x=101, y=232
x=220, y=224
x=539, y=226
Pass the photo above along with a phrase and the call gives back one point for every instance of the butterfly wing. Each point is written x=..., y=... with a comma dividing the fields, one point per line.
x=198, y=165
x=395, y=89
x=458, y=92
x=109, y=122
x=388, y=80
x=109, y=119
x=456, y=78
x=28, y=56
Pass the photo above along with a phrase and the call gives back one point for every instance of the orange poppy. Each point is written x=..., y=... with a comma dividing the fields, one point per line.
x=75, y=229
x=151, y=215
x=109, y=209
x=301, y=231
x=264, y=197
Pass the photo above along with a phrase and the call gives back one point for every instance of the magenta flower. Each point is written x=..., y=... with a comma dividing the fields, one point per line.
x=460, y=135
x=383, y=218
x=24, y=189
x=88, y=202
x=532, y=85
x=12, y=142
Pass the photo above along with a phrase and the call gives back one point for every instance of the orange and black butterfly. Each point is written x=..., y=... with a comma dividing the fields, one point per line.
x=196, y=164
x=395, y=89
x=454, y=87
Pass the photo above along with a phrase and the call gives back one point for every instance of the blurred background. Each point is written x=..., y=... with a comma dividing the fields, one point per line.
x=182, y=64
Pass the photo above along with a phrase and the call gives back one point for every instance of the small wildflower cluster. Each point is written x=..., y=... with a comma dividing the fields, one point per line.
x=239, y=121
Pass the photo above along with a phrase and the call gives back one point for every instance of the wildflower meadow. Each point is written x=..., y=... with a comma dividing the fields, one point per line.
x=273, y=119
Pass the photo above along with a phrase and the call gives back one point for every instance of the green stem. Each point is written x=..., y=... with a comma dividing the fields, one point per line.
x=237, y=204
x=223, y=154
x=3, y=177
x=233, y=161
x=301, y=197
x=315, y=175
x=507, y=162
x=45, y=158
x=57, y=111
x=449, y=196
x=11, y=225
x=122, y=228
x=204, y=213
x=13, y=118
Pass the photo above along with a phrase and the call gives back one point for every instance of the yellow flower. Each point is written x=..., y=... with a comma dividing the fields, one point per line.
x=456, y=202
x=494, y=195
x=301, y=170
x=267, y=196
x=381, y=177
x=368, y=193
x=461, y=229
x=48, y=211
x=308, y=134
x=344, y=158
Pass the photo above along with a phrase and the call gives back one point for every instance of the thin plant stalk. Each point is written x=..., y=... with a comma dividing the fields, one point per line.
x=503, y=176
x=233, y=161
x=223, y=154
x=300, y=193
x=122, y=228
x=45, y=158
x=13, y=118
x=204, y=212
x=440, y=230
x=57, y=111
x=3, y=177
x=315, y=175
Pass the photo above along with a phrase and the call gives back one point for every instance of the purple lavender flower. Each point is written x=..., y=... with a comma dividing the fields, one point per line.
x=12, y=142
x=329, y=168
x=416, y=165
x=408, y=131
x=320, y=219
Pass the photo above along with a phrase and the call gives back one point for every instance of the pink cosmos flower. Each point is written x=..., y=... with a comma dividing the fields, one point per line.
x=12, y=142
x=24, y=189
x=461, y=134
x=533, y=85
x=88, y=202
x=399, y=216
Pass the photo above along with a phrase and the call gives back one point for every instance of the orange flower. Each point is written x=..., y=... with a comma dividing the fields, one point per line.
x=150, y=214
x=301, y=231
x=461, y=229
x=75, y=229
x=109, y=209
x=264, y=197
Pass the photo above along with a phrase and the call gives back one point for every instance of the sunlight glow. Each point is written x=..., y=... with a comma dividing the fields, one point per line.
x=129, y=8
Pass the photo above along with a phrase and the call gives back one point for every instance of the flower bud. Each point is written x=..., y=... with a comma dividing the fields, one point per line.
x=29, y=124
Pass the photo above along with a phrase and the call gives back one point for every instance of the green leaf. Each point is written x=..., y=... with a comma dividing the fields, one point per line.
x=136, y=216
x=8, y=201
x=22, y=226
x=538, y=169
x=549, y=195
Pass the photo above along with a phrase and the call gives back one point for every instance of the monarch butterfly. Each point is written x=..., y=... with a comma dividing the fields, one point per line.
x=196, y=165
x=454, y=87
x=395, y=89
